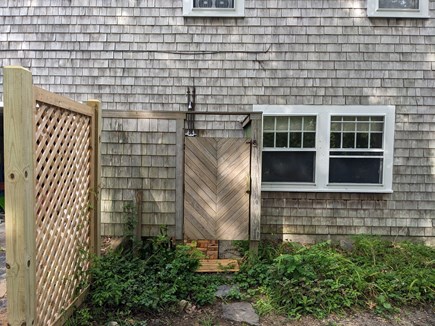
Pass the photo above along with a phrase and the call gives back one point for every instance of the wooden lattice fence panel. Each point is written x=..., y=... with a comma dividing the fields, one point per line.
x=63, y=183
x=59, y=223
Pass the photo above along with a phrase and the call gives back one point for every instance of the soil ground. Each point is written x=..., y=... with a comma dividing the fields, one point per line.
x=410, y=316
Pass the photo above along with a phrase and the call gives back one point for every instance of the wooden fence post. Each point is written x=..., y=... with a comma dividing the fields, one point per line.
x=179, y=181
x=96, y=178
x=139, y=205
x=19, y=106
x=257, y=146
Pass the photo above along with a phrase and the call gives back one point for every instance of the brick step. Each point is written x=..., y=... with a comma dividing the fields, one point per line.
x=210, y=248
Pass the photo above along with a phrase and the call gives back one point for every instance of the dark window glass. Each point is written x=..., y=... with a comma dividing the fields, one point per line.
x=362, y=140
x=405, y=4
x=335, y=141
x=296, y=139
x=355, y=170
x=281, y=139
x=375, y=140
x=309, y=140
x=268, y=139
x=288, y=166
x=349, y=140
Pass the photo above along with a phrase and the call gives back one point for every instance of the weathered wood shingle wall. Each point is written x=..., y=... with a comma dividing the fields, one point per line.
x=138, y=155
x=142, y=55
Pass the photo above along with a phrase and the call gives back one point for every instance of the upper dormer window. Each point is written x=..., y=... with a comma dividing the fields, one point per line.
x=398, y=8
x=214, y=8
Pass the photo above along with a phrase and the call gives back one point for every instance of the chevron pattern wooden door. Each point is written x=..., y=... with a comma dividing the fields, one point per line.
x=216, y=200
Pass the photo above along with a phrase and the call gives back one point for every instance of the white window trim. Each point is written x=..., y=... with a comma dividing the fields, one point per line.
x=189, y=11
x=373, y=10
x=323, y=114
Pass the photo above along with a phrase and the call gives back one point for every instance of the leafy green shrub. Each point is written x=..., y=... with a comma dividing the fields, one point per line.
x=314, y=280
x=320, y=279
x=254, y=268
x=396, y=273
x=286, y=278
x=82, y=317
x=159, y=276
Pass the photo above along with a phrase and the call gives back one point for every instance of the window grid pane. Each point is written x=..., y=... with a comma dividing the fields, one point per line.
x=269, y=139
x=281, y=139
x=282, y=123
x=269, y=123
x=356, y=132
x=289, y=132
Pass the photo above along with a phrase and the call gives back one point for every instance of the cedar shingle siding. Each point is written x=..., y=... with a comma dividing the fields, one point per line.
x=142, y=55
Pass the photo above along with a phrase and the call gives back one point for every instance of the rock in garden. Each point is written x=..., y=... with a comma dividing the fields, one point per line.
x=224, y=291
x=182, y=305
x=346, y=245
x=186, y=306
x=241, y=312
x=112, y=323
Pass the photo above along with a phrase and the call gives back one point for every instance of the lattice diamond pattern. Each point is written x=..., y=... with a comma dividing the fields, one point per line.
x=63, y=180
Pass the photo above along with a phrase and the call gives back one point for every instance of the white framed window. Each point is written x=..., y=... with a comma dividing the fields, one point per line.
x=327, y=148
x=214, y=8
x=398, y=8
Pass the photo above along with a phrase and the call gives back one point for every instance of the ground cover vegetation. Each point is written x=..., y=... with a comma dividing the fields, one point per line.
x=284, y=278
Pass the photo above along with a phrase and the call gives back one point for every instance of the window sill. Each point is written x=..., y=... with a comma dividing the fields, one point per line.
x=397, y=15
x=213, y=14
x=285, y=187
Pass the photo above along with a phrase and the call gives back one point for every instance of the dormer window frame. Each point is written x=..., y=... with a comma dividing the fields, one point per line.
x=190, y=11
x=375, y=10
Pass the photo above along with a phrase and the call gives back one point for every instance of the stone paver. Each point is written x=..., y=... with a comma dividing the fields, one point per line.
x=224, y=291
x=240, y=312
